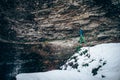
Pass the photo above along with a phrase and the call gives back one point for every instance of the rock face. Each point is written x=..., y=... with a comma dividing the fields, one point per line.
x=26, y=58
x=61, y=20
x=47, y=32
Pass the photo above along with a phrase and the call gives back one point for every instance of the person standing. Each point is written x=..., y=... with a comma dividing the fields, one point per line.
x=82, y=38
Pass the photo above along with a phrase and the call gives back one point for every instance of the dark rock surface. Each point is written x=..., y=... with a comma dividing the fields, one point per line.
x=28, y=21
x=26, y=58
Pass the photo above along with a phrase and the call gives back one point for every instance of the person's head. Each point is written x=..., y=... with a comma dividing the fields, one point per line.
x=80, y=28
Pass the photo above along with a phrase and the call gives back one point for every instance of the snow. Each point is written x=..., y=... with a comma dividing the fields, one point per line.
x=53, y=75
x=100, y=62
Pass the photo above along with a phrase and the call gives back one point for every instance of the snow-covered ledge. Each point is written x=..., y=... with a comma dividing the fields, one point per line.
x=54, y=75
x=100, y=62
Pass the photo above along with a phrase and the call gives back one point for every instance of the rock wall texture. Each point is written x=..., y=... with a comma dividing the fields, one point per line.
x=30, y=22
x=26, y=58
x=40, y=35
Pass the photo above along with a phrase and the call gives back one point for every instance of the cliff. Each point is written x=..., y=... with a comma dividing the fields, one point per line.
x=47, y=32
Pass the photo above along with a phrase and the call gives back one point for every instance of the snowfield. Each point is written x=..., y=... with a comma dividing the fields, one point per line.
x=54, y=75
x=100, y=62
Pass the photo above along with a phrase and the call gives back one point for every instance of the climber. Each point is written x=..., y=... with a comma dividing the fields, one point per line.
x=82, y=38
